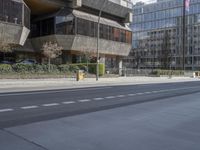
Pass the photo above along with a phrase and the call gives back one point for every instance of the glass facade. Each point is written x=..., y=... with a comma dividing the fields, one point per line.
x=12, y=11
x=71, y=25
x=65, y=25
x=151, y=23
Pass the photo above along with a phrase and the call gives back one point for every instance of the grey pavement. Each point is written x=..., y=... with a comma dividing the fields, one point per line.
x=167, y=124
x=12, y=85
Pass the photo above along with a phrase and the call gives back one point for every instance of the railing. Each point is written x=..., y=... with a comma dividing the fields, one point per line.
x=125, y=3
x=129, y=71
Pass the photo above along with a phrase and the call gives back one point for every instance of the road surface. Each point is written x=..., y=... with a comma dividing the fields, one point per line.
x=152, y=116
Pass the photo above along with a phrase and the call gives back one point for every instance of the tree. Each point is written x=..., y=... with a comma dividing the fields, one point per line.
x=89, y=55
x=6, y=46
x=51, y=50
x=166, y=54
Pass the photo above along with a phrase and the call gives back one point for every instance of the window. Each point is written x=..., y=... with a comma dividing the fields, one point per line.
x=43, y=27
x=89, y=28
x=65, y=25
x=82, y=27
x=47, y=26
x=11, y=11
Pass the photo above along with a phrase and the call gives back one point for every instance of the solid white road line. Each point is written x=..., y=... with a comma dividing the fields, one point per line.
x=84, y=100
x=6, y=110
x=53, y=91
x=69, y=102
x=49, y=105
x=29, y=107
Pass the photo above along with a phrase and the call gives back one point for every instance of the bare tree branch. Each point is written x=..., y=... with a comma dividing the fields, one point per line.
x=51, y=50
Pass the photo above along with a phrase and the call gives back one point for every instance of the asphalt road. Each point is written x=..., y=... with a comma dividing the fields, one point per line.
x=28, y=107
x=139, y=117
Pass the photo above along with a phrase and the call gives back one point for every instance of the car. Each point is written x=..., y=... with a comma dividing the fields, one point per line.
x=28, y=61
x=6, y=62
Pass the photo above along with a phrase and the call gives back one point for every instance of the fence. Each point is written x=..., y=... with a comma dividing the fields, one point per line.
x=129, y=71
x=143, y=72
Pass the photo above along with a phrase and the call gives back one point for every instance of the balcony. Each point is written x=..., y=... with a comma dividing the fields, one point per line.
x=14, y=22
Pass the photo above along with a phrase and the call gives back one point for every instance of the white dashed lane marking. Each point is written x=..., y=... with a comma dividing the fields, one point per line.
x=69, y=102
x=131, y=94
x=110, y=97
x=120, y=96
x=88, y=100
x=49, y=105
x=147, y=92
x=98, y=99
x=29, y=107
x=84, y=100
x=6, y=110
x=139, y=93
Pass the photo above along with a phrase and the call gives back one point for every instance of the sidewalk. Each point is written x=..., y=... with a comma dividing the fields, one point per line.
x=12, y=85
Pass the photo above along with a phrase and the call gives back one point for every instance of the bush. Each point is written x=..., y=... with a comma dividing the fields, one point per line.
x=40, y=68
x=64, y=68
x=168, y=72
x=5, y=68
x=37, y=68
x=53, y=68
x=34, y=68
x=73, y=67
x=23, y=68
x=92, y=69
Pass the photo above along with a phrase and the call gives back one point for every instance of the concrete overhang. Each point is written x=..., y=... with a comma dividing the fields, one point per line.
x=39, y=7
x=108, y=7
x=45, y=6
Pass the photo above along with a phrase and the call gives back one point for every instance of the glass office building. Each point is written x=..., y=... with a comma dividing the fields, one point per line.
x=158, y=33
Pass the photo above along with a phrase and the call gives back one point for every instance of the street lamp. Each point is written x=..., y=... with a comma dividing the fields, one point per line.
x=98, y=26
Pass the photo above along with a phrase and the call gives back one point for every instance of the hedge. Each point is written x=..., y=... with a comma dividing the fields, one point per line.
x=37, y=68
x=90, y=67
x=4, y=68
x=168, y=72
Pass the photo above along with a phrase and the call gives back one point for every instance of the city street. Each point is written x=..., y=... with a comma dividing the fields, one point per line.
x=151, y=116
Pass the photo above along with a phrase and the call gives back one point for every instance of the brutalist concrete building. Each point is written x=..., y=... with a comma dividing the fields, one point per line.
x=70, y=23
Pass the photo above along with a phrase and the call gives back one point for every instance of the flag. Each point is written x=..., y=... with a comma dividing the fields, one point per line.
x=187, y=5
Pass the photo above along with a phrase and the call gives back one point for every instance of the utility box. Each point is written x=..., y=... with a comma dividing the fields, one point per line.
x=80, y=75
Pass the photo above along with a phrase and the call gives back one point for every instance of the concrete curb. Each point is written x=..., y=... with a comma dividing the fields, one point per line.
x=10, y=85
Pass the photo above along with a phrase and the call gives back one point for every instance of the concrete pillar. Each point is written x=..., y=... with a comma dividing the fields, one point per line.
x=102, y=59
x=120, y=65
